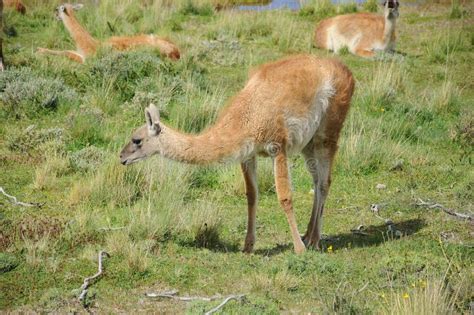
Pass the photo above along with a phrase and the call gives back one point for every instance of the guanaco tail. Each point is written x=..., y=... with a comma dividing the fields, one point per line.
x=87, y=46
x=293, y=105
x=362, y=33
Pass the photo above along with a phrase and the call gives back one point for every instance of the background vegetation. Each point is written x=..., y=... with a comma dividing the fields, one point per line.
x=173, y=226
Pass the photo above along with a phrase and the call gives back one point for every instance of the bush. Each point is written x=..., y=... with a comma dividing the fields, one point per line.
x=189, y=8
x=122, y=70
x=31, y=139
x=24, y=93
x=86, y=159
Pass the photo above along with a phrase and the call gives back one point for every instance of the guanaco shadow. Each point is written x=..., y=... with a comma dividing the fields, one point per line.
x=373, y=235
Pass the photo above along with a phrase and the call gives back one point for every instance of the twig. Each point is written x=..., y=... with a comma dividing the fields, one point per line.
x=87, y=281
x=359, y=230
x=172, y=295
x=227, y=299
x=112, y=228
x=19, y=203
x=431, y=205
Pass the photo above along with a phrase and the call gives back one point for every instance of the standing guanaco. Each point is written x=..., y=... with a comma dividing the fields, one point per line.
x=87, y=46
x=293, y=105
x=362, y=33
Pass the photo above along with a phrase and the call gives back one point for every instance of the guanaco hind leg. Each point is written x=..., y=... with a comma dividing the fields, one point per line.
x=249, y=170
x=318, y=162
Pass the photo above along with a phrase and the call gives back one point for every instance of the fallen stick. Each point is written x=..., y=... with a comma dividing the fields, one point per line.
x=87, y=281
x=432, y=205
x=112, y=228
x=227, y=299
x=19, y=203
x=172, y=295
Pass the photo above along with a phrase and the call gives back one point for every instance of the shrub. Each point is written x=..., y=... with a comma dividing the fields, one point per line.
x=24, y=93
x=86, y=159
x=31, y=139
x=122, y=70
x=189, y=8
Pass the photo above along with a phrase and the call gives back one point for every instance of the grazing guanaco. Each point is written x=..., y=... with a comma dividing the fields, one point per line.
x=87, y=46
x=17, y=4
x=297, y=104
x=362, y=33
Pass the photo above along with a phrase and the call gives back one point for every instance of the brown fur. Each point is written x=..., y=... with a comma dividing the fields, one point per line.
x=16, y=4
x=87, y=46
x=278, y=104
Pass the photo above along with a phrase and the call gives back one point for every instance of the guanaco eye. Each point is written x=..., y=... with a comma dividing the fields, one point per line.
x=137, y=141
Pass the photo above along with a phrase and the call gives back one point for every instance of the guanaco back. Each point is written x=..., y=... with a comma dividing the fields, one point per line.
x=362, y=33
x=294, y=105
x=87, y=46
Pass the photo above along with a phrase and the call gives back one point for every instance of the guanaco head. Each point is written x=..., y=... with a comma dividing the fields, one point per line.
x=391, y=9
x=144, y=141
x=67, y=9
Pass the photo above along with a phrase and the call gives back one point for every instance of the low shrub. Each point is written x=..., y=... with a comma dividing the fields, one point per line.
x=24, y=93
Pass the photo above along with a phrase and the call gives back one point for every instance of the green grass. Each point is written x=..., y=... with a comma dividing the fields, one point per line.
x=173, y=226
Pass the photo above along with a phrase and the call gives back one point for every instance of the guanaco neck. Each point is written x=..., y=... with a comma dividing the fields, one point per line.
x=389, y=30
x=211, y=146
x=85, y=43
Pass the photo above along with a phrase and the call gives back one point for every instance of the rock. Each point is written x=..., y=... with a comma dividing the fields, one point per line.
x=381, y=186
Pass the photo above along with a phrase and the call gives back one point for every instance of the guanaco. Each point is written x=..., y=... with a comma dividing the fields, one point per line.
x=362, y=33
x=297, y=104
x=87, y=46
x=17, y=4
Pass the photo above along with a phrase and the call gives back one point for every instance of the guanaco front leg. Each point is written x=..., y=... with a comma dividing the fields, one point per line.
x=364, y=53
x=249, y=170
x=68, y=53
x=283, y=189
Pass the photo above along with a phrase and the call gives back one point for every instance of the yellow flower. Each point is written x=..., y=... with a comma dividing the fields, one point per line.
x=382, y=109
x=406, y=296
x=413, y=284
x=330, y=249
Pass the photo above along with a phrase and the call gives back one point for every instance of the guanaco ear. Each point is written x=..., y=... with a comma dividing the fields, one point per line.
x=77, y=6
x=152, y=117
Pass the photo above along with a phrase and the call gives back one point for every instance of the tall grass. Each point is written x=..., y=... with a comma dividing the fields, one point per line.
x=431, y=298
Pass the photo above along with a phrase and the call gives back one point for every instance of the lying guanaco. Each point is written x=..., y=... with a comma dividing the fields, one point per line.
x=87, y=46
x=362, y=33
x=293, y=105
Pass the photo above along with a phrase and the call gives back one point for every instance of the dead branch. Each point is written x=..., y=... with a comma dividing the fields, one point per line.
x=359, y=230
x=432, y=205
x=87, y=281
x=112, y=228
x=19, y=203
x=227, y=299
x=173, y=295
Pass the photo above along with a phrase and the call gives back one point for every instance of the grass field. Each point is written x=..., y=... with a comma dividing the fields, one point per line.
x=173, y=226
